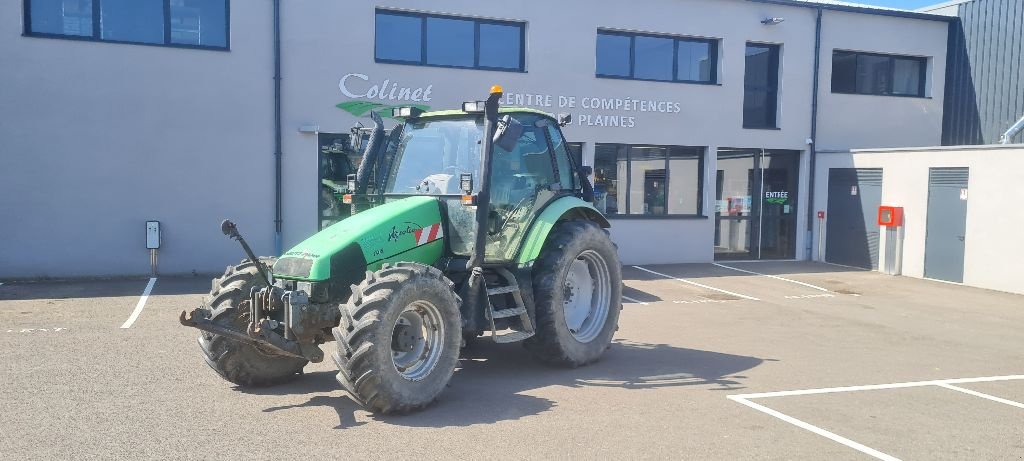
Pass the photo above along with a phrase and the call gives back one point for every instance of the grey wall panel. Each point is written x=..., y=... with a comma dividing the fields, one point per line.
x=985, y=91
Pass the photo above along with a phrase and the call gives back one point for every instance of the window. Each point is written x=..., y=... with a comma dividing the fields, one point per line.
x=566, y=171
x=648, y=180
x=656, y=57
x=761, y=86
x=448, y=41
x=878, y=74
x=188, y=23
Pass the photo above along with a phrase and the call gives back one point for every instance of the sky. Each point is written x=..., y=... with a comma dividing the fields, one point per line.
x=905, y=4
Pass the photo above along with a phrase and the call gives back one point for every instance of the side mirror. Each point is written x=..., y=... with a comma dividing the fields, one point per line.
x=564, y=119
x=508, y=133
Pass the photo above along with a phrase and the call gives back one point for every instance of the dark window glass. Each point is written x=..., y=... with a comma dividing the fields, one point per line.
x=61, y=17
x=761, y=86
x=653, y=58
x=907, y=76
x=648, y=180
x=695, y=59
x=613, y=55
x=873, y=74
x=844, y=72
x=501, y=46
x=566, y=173
x=199, y=22
x=450, y=42
x=878, y=74
x=196, y=23
x=140, y=21
x=399, y=38
x=609, y=165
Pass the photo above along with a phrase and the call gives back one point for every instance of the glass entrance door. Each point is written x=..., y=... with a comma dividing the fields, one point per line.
x=756, y=203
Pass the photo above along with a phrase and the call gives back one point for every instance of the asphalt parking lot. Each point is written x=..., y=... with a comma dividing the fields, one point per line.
x=781, y=360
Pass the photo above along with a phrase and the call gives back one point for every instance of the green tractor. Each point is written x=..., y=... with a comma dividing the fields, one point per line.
x=476, y=222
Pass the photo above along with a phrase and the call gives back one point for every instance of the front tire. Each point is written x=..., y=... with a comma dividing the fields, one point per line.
x=236, y=362
x=399, y=338
x=577, y=285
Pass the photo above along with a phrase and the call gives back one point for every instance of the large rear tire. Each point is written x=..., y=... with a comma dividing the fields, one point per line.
x=577, y=286
x=239, y=363
x=399, y=338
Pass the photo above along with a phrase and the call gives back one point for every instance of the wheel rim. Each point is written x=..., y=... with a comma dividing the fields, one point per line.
x=417, y=340
x=587, y=295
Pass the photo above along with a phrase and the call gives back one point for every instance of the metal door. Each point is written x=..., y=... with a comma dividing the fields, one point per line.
x=947, y=224
x=854, y=196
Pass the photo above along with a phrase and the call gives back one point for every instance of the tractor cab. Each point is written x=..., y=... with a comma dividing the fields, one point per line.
x=439, y=154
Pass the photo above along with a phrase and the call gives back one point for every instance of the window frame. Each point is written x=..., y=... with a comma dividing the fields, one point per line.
x=713, y=52
x=97, y=33
x=627, y=183
x=922, y=86
x=476, y=40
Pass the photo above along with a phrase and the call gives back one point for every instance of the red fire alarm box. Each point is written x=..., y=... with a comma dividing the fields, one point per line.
x=890, y=216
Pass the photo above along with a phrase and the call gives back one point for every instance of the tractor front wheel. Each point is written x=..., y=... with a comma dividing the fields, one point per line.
x=577, y=286
x=399, y=338
x=236, y=362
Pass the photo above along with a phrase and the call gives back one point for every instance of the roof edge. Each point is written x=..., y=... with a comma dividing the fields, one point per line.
x=862, y=10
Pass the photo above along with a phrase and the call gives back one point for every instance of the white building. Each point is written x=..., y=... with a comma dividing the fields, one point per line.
x=699, y=116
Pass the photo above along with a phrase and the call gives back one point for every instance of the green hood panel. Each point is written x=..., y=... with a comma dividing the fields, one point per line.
x=409, y=229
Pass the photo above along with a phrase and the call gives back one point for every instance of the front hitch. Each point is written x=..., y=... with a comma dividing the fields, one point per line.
x=260, y=336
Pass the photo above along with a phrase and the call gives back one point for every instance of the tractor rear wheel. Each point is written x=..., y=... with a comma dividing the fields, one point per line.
x=577, y=289
x=239, y=363
x=399, y=338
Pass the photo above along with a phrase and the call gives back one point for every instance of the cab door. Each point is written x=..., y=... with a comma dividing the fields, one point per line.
x=523, y=181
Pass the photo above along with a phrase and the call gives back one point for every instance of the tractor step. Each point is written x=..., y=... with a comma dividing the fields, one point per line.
x=513, y=337
x=510, y=287
x=506, y=313
x=502, y=290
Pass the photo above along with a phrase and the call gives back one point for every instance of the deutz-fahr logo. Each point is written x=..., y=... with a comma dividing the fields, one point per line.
x=397, y=231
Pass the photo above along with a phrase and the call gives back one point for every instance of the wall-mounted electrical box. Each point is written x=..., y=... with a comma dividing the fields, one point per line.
x=152, y=235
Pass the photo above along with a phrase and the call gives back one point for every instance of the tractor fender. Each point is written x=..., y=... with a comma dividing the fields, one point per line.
x=563, y=208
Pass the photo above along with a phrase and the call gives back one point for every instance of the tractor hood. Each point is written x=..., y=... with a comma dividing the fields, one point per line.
x=408, y=229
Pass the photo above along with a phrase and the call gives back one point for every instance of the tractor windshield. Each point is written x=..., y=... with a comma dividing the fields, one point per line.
x=433, y=153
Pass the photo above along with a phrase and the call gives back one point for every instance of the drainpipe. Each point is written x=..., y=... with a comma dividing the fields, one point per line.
x=1007, y=137
x=278, y=221
x=814, y=133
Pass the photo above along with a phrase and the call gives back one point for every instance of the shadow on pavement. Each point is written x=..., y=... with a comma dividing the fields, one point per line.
x=500, y=377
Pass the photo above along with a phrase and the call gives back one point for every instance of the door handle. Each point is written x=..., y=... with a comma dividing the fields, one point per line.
x=961, y=237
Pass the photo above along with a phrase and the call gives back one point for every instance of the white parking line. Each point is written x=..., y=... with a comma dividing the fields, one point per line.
x=982, y=395
x=776, y=277
x=627, y=298
x=875, y=387
x=142, y=303
x=945, y=383
x=698, y=284
x=815, y=429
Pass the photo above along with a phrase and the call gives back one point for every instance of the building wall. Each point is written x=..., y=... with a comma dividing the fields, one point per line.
x=97, y=138
x=864, y=121
x=994, y=253
x=100, y=137
x=986, y=91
